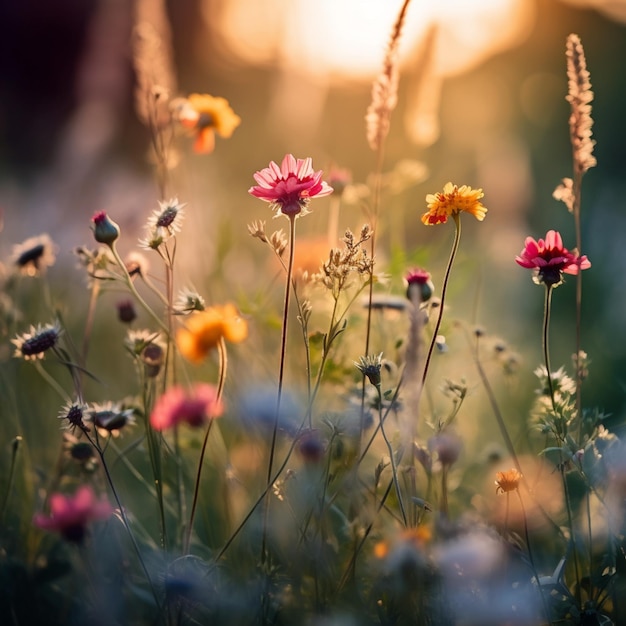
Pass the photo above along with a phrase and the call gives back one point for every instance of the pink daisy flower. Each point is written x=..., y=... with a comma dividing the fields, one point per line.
x=69, y=515
x=177, y=405
x=550, y=259
x=290, y=187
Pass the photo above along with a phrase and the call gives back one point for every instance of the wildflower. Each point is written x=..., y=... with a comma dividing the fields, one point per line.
x=370, y=366
x=550, y=259
x=195, y=407
x=137, y=340
x=167, y=219
x=72, y=413
x=452, y=201
x=579, y=95
x=110, y=416
x=311, y=446
x=205, y=115
x=126, y=311
x=290, y=187
x=33, y=344
x=34, y=255
x=507, y=481
x=153, y=357
x=105, y=230
x=204, y=331
x=419, y=282
x=188, y=301
x=69, y=515
x=136, y=264
x=447, y=444
x=339, y=178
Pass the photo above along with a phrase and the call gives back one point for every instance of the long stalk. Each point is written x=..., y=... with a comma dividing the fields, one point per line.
x=221, y=347
x=281, y=374
x=455, y=247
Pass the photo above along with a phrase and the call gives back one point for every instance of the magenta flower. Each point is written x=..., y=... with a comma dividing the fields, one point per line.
x=550, y=259
x=419, y=280
x=69, y=515
x=290, y=187
x=176, y=405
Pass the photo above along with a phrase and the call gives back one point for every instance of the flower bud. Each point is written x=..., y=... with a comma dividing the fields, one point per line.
x=419, y=285
x=105, y=230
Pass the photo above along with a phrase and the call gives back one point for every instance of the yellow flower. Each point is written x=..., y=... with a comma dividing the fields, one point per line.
x=205, y=329
x=206, y=115
x=452, y=201
x=507, y=481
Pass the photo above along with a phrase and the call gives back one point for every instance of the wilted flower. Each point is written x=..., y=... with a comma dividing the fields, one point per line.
x=371, y=366
x=33, y=256
x=105, y=230
x=452, y=201
x=72, y=414
x=109, y=416
x=290, y=187
x=550, y=259
x=205, y=115
x=33, y=344
x=204, y=330
x=69, y=515
x=507, y=481
x=189, y=301
x=194, y=406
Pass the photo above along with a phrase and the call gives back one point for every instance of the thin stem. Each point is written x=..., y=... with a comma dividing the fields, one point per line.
x=576, y=192
x=95, y=443
x=129, y=283
x=281, y=373
x=14, y=450
x=221, y=347
x=546, y=342
x=394, y=469
x=455, y=247
x=53, y=383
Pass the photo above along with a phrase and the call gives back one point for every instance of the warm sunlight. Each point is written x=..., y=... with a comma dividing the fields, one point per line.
x=340, y=39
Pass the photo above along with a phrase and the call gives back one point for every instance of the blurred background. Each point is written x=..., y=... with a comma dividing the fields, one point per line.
x=481, y=102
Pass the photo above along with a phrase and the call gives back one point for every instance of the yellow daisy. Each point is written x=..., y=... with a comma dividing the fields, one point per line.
x=452, y=201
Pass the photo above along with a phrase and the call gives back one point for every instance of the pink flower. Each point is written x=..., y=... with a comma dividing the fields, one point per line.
x=550, y=259
x=419, y=282
x=69, y=515
x=290, y=187
x=177, y=405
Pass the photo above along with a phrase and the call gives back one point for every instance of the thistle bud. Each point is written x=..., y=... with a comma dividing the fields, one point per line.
x=105, y=230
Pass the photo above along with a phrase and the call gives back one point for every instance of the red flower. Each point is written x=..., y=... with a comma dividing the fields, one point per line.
x=69, y=515
x=194, y=407
x=290, y=187
x=550, y=259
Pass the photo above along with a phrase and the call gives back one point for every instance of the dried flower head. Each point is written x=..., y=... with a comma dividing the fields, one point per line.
x=34, y=255
x=257, y=229
x=204, y=330
x=72, y=414
x=166, y=221
x=204, y=116
x=33, y=344
x=452, y=201
x=507, y=481
x=188, y=301
x=579, y=95
x=385, y=88
x=136, y=264
x=290, y=187
x=70, y=515
x=109, y=416
x=341, y=265
x=565, y=193
x=370, y=366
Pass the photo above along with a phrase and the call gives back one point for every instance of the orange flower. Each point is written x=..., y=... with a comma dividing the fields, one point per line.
x=452, y=201
x=205, y=329
x=206, y=115
x=507, y=481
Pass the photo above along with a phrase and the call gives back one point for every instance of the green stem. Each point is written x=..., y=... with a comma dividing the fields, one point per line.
x=545, y=342
x=53, y=383
x=394, y=469
x=221, y=346
x=15, y=448
x=281, y=374
x=455, y=247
